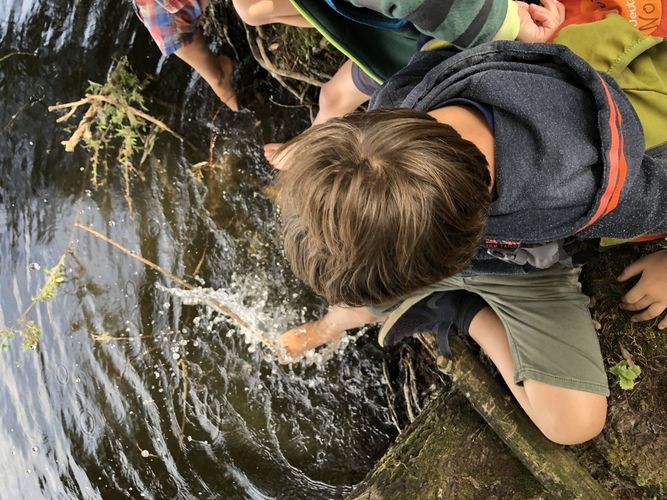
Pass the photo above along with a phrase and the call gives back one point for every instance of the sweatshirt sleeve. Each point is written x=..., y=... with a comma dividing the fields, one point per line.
x=464, y=23
x=642, y=210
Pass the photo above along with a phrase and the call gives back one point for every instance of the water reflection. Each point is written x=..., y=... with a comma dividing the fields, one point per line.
x=133, y=392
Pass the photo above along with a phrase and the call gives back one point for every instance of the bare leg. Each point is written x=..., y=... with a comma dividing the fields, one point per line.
x=338, y=97
x=216, y=70
x=566, y=416
x=260, y=12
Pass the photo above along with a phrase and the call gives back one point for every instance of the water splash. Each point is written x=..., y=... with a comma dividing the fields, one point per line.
x=261, y=316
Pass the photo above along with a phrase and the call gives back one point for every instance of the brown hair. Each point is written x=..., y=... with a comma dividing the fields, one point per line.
x=377, y=205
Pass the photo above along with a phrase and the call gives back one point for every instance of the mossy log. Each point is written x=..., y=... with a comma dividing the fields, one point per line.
x=552, y=465
x=448, y=452
x=437, y=457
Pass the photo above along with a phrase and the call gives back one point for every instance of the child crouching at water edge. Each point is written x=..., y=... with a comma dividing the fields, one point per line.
x=348, y=266
x=452, y=217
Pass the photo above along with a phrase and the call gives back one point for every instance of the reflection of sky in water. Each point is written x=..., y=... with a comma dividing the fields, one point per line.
x=180, y=404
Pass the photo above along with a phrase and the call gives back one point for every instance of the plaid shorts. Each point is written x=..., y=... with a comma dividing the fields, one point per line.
x=171, y=23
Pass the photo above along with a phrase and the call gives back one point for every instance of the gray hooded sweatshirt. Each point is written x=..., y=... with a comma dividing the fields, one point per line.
x=569, y=148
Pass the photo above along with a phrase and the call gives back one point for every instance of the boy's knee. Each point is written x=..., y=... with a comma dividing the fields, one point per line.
x=248, y=12
x=576, y=423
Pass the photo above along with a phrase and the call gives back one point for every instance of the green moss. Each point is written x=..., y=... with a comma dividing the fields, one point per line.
x=634, y=441
x=449, y=452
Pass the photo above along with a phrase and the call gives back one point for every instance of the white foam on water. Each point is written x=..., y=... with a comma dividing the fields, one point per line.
x=265, y=321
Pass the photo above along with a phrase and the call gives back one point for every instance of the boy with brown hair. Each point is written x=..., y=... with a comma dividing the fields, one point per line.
x=455, y=214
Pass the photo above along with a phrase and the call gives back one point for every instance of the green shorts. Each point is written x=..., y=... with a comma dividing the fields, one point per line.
x=547, y=320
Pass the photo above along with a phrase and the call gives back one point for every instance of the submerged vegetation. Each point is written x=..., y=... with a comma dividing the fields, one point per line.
x=115, y=129
x=26, y=328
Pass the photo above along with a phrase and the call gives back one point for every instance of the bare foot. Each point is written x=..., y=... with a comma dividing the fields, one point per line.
x=223, y=87
x=270, y=151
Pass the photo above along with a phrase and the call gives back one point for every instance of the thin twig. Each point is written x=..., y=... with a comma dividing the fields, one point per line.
x=16, y=115
x=282, y=72
x=201, y=261
x=109, y=338
x=134, y=255
x=408, y=402
x=67, y=115
x=84, y=126
x=273, y=101
x=7, y=56
x=391, y=397
x=73, y=104
x=413, y=383
x=257, y=56
x=184, y=368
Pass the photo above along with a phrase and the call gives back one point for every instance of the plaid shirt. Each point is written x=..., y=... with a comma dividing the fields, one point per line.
x=171, y=23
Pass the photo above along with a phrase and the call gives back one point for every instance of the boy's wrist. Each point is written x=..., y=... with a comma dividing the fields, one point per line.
x=509, y=30
x=326, y=331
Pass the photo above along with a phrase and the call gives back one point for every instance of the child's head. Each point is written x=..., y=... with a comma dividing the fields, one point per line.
x=376, y=205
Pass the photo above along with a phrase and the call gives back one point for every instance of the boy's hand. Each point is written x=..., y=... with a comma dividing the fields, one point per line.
x=294, y=343
x=304, y=338
x=649, y=295
x=539, y=22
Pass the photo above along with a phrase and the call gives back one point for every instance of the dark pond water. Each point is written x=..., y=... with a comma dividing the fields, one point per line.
x=183, y=404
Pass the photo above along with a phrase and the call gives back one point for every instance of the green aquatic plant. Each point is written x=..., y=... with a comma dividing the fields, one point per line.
x=54, y=277
x=626, y=373
x=115, y=128
x=26, y=328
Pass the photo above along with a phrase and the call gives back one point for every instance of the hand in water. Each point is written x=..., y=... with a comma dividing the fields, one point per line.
x=294, y=344
x=539, y=22
x=297, y=341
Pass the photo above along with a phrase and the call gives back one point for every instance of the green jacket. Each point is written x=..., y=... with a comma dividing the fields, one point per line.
x=380, y=52
x=464, y=23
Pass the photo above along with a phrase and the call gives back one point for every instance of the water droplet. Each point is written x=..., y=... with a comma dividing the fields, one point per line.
x=145, y=454
x=175, y=355
x=34, y=266
x=111, y=223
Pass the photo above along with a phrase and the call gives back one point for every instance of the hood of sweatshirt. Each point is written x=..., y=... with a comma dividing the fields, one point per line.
x=568, y=144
